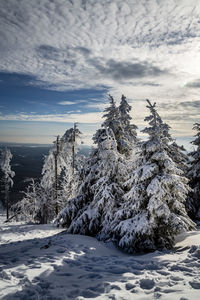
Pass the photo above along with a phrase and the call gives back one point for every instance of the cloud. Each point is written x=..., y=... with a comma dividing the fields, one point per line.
x=73, y=116
x=67, y=102
x=49, y=52
x=76, y=102
x=180, y=106
x=118, y=70
x=77, y=44
x=85, y=51
x=190, y=104
x=194, y=84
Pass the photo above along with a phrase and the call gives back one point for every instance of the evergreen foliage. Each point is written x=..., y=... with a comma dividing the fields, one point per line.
x=193, y=203
x=100, y=194
x=153, y=210
x=118, y=119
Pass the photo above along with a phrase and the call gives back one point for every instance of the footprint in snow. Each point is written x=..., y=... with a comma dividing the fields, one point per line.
x=61, y=250
x=73, y=293
x=35, y=266
x=90, y=276
x=4, y=275
x=164, y=273
x=195, y=285
x=147, y=284
x=65, y=274
x=88, y=294
x=115, y=287
x=98, y=288
x=129, y=286
x=176, y=278
x=17, y=274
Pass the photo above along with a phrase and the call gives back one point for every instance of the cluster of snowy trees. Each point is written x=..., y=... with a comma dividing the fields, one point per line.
x=136, y=193
x=43, y=199
x=133, y=192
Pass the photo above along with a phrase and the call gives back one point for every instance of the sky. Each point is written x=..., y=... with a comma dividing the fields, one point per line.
x=59, y=60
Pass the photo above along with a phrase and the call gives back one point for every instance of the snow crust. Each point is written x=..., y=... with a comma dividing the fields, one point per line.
x=43, y=262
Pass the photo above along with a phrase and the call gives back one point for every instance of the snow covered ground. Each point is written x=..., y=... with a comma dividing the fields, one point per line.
x=42, y=262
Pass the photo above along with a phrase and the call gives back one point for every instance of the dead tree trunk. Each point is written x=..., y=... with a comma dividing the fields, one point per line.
x=7, y=198
x=73, y=148
x=56, y=174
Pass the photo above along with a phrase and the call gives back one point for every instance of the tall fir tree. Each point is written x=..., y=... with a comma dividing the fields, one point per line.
x=193, y=202
x=100, y=194
x=153, y=211
x=118, y=119
x=176, y=153
x=129, y=130
x=99, y=197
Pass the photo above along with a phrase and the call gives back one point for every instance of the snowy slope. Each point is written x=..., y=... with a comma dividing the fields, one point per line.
x=42, y=262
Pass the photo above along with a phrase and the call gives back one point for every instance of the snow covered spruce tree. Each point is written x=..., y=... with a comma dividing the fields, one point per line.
x=103, y=175
x=118, y=119
x=176, y=153
x=128, y=135
x=8, y=174
x=153, y=211
x=100, y=194
x=193, y=201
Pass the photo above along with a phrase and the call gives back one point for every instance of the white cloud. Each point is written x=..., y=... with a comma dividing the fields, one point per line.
x=71, y=102
x=76, y=44
x=73, y=117
x=66, y=102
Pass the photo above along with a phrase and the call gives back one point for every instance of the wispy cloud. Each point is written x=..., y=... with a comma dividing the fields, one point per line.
x=71, y=102
x=72, y=117
x=67, y=102
x=118, y=41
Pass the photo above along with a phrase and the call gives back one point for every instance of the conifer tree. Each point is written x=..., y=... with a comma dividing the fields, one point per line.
x=100, y=194
x=176, y=153
x=193, y=202
x=129, y=130
x=153, y=211
x=8, y=174
x=104, y=173
x=118, y=119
